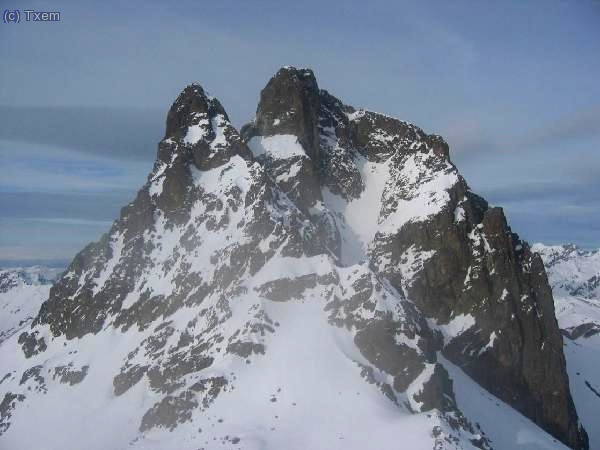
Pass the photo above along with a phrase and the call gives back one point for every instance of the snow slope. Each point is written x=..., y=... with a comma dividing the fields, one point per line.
x=505, y=427
x=312, y=391
x=22, y=291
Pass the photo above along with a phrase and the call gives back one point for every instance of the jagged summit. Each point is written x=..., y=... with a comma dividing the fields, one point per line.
x=293, y=104
x=326, y=262
x=198, y=125
x=289, y=104
x=333, y=150
x=192, y=100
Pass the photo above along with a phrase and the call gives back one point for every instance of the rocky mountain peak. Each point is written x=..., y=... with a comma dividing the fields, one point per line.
x=324, y=246
x=199, y=128
x=191, y=106
x=289, y=105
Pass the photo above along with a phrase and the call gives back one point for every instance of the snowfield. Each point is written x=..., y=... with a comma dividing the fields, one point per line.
x=22, y=291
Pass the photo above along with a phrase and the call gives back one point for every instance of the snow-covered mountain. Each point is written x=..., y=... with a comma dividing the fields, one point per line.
x=574, y=275
x=323, y=278
x=22, y=292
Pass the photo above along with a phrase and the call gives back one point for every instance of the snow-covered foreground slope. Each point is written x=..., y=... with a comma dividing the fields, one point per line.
x=309, y=392
x=22, y=291
x=322, y=279
x=505, y=427
x=583, y=357
x=313, y=390
x=574, y=275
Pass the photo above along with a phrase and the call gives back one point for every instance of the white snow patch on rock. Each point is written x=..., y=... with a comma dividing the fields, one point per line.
x=279, y=146
x=457, y=326
x=196, y=132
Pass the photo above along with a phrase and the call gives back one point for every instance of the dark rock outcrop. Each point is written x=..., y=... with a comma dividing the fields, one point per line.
x=290, y=104
x=478, y=267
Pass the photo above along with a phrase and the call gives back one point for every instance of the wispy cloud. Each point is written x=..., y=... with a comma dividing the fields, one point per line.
x=469, y=136
x=582, y=125
x=129, y=134
x=46, y=238
x=575, y=193
x=68, y=221
x=102, y=207
x=46, y=168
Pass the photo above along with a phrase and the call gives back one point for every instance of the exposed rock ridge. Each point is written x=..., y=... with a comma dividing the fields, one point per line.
x=472, y=265
x=353, y=214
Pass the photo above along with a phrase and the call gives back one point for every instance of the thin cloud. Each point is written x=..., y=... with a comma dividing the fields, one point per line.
x=118, y=133
x=96, y=207
x=68, y=221
x=539, y=191
x=469, y=137
x=584, y=124
x=46, y=168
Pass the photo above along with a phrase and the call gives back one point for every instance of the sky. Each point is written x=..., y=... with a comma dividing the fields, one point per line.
x=513, y=87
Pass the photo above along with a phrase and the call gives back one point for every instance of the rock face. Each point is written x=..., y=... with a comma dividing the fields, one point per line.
x=321, y=239
x=573, y=274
